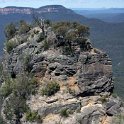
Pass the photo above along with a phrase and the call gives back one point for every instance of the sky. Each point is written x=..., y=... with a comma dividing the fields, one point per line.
x=66, y=3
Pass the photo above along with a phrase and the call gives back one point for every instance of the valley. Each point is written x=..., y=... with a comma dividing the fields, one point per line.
x=104, y=35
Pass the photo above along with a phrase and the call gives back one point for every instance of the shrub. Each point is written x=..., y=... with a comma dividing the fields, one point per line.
x=24, y=86
x=40, y=37
x=8, y=111
x=47, y=22
x=27, y=66
x=6, y=88
x=64, y=112
x=33, y=116
x=16, y=103
x=23, y=27
x=20, y=89
x=10, y=45
x=71, y=36
x=60, y=24
x=67, y=50
x=14, y=107
x=118, y=119
x=82, y=31
x=2, y=121
x=10, y=31
x=61, y=31
x=50, y=89
x=103, y=99
x=46, y=45
x=63, y=28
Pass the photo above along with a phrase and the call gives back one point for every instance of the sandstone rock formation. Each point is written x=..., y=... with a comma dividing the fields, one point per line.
x=84, y=77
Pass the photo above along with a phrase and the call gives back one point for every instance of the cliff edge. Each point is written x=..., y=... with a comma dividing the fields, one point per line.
x=55, y=76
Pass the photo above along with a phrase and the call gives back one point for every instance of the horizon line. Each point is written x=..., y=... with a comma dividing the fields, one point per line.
x=66, y=7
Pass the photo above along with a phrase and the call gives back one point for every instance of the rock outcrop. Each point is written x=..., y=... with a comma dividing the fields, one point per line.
x=84, y=77
x=28, y=11
x=86, y=72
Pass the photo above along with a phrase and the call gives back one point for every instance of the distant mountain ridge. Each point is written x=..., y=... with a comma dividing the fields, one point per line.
x=100, y=10
x=27, y=10
x=111, y=15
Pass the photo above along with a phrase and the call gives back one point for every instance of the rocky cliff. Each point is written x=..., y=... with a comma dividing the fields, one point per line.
x=74, y=79
x=27, y=10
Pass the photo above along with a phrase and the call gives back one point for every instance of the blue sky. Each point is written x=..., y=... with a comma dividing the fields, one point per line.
x=66, y=3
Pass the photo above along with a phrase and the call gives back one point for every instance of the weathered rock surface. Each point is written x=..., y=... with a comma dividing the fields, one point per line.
x=91, y=70
x=85, y=80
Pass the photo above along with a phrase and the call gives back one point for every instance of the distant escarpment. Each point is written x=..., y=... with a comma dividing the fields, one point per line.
x=53, y=75
x=28, y=11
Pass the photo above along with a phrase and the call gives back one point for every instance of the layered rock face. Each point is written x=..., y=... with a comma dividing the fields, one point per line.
x=86, y=72
x=84, y=76
x=28, y=11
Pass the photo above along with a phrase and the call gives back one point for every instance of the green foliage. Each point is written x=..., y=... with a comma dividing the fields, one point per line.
x=83, y=43
x=10, y=45
x=2, y=121
x=71, y=30
x=50, y=89
x=72, y=33
x=60, y=24
x=6, y=88
x=119, y=119
x=8, y=111
x=46, y=45
x=64, y=113
x=82, y=30
x=67, y=50
x=87, y=60
x=71, y=36
x=24, y=86
x=47, y=22
x=41, y=37
x=27, y=66
x=23, y=27
x=15, y=106
x=18, y=90
x=33, y=116
x=10, y=31
x=61, y=28
x=103, y=99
